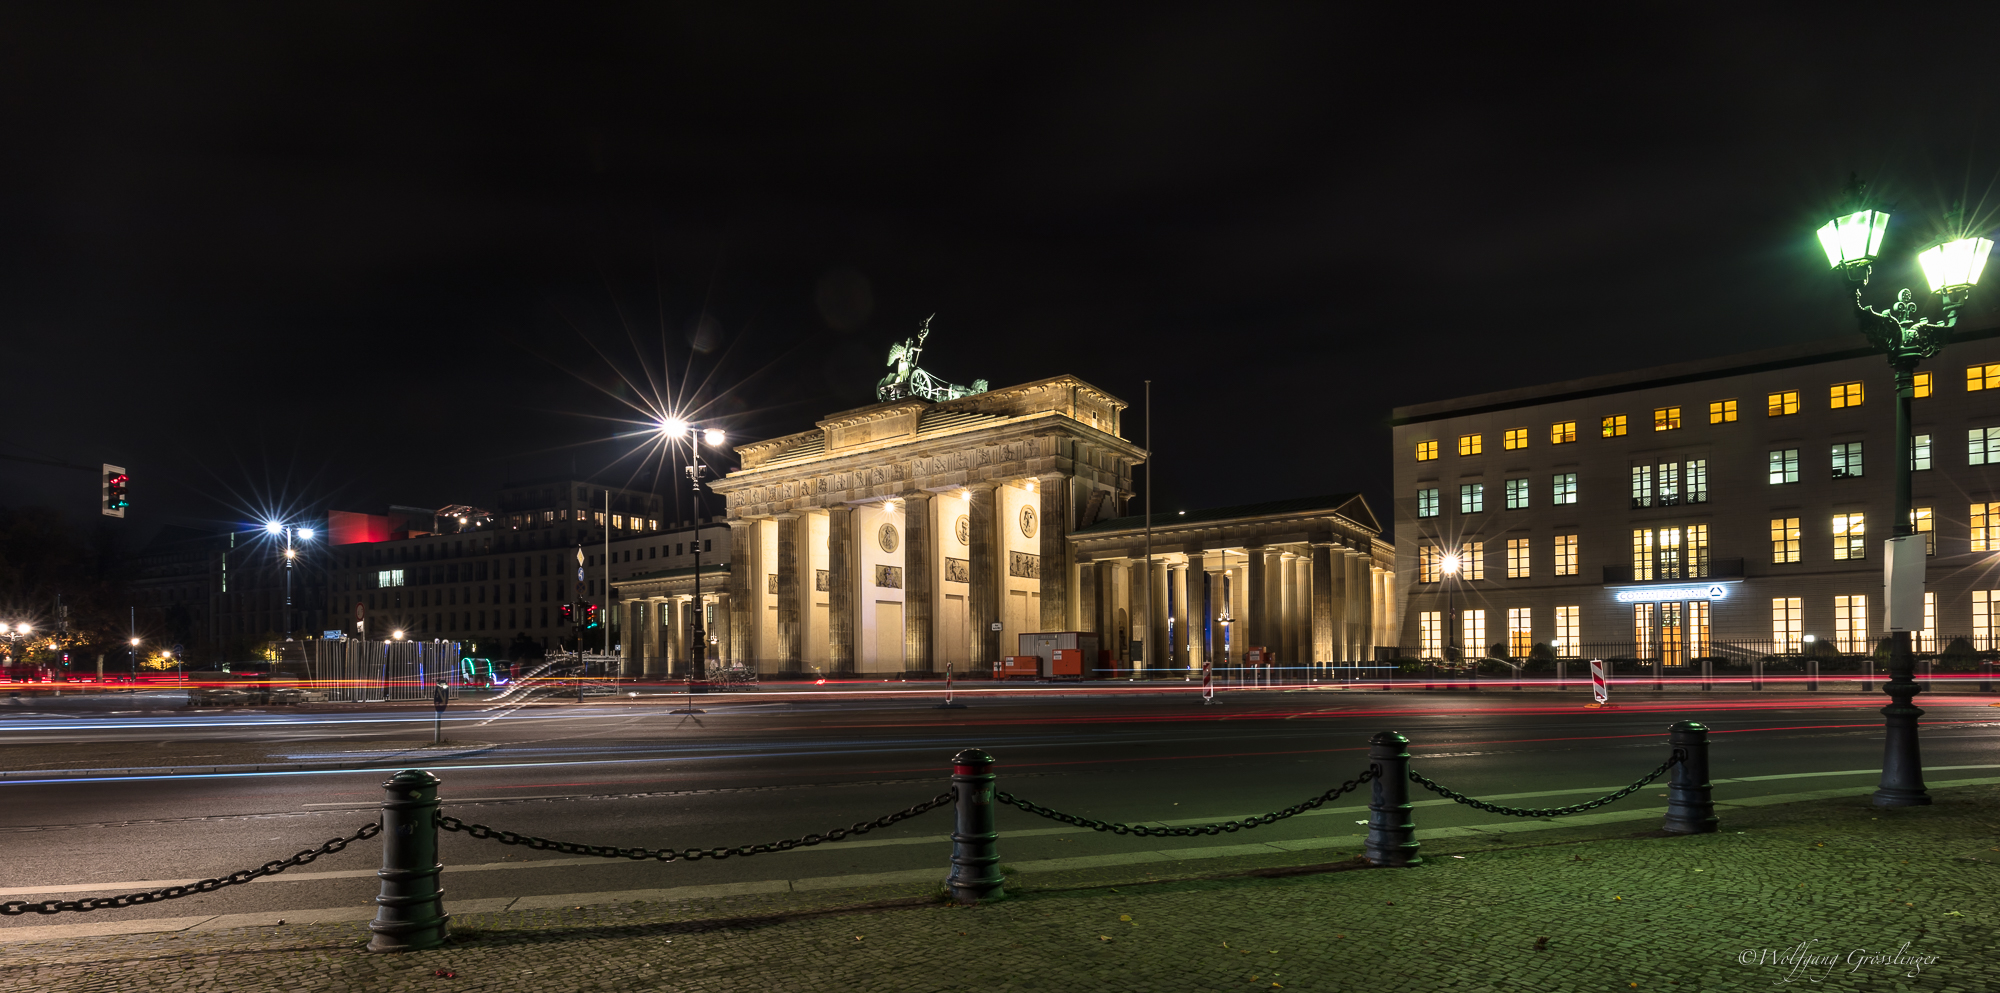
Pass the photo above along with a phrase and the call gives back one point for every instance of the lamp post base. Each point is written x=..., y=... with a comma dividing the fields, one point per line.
x=1902, y=760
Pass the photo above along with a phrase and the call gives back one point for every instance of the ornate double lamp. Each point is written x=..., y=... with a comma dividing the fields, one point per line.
x=1853, y=241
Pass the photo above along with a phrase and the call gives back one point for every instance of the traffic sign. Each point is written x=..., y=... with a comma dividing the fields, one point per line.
x=1598, y=688
x=996, y=625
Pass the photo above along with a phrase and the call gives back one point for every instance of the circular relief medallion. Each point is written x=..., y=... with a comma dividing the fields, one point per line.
x=1027, y=522
x=886, y=537
x=963, y=528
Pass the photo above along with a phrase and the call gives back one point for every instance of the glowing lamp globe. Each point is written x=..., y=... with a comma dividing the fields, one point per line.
x=714, y=437
x=1450, y=565
x=674, y=427
x=273, y=527
x=307, y=533
x=1955, y=265
x=1855, y=240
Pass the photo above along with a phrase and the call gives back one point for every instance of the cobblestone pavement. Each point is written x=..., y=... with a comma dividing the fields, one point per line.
x=1566, y=909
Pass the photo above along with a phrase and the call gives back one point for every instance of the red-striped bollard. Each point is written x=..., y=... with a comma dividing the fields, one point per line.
x=975, y=844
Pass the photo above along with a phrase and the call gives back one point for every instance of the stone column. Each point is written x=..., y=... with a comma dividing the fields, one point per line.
x=632, y=647
x=1135, y=611
x=919, y=562
x=742, y=632
x=1194, y=637
x=1288, y=608
x=1217, y=581
x=1087, y=619
x=1176, y=644
x=1375, y=600
x=1357, y=603
x=791, y=629
x=656, y=660
x=983, y=593
x=1053, y=533
x=840, y=620
x=674, y=631
x=1302, y=622
x=722, y=625
x=1329, y=603
x=1157, y=649
x=1256, y=632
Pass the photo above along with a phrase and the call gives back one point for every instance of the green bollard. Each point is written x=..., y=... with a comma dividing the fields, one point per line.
x=409, y=910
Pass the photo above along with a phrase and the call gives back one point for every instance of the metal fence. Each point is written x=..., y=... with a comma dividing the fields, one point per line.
x=353, y=670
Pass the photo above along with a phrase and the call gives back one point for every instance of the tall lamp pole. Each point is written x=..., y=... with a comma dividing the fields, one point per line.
x=288, y=532
x=1853, y=241
x=678, y=429
x=1450, y=565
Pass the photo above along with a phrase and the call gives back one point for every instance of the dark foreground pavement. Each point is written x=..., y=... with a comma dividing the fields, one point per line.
x=1874, y=899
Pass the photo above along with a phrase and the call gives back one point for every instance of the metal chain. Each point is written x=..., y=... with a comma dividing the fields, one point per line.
x=15, y=908
x=1144, y=831
x=689, y=854
x=1494, y=808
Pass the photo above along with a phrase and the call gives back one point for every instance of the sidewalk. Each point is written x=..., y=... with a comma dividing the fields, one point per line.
x=1589, y=907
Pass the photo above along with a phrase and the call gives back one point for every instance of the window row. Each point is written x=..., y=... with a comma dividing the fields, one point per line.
x=1468, y=560
x=1472, y=496
x=1519, y=633
x=1781, y=403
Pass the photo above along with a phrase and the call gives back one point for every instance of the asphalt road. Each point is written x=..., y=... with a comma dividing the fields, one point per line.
x=760, y=768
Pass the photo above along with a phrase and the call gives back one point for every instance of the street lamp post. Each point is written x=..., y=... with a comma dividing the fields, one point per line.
x=288, y=531
x=676, y=428
x=1450, y=565
x=1852, y=242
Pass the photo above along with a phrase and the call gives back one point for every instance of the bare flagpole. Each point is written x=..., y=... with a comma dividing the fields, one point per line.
x=1146, y=651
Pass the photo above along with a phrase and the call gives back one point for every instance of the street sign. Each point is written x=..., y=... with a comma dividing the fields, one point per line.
x=1207, y=683
x=1598, y=688
x=996, y=625
x=359, y=614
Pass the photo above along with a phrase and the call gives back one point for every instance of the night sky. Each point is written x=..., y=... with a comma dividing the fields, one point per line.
x=285, y=256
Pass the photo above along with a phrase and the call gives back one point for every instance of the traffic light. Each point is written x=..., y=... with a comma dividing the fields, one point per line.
x=567, y=614
x=114, y=490
x=590, y=622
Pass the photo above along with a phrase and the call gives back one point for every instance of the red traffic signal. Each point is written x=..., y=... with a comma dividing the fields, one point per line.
x=115, y=482
x=590, y=621
x=567, y=613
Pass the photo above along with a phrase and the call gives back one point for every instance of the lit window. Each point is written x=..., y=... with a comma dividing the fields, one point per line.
x=1569, y=632
x=1927, y=639
x=1517, y=558
x=1784, y=539
x=1922, y=385
x=1669, y=476
x=1517, y=494
x=1985, y=518
x=1430, y=564
x=1430, y=631
x=1427, y=502
x=1642, y=555
x=1982, y=377
x=1920, y=521
x=1564, y=485
x=1643, y=641
x=1515, y=438
x=1565, y=554
x=1920, y=451
x=1475, y=631
x=1844, y=395
x=1788, y=624
x=1520, y=632
x=1848, y=536
x=1697, y=480
x=1780, y=404
x=1785, y=466
x=1642, y=486
x=1666, y=418
x=1850, y=623
x=1982, y=446
x=1669, y=554
x=1721, y=411
x=1562, y=432
x=1846, y=460
x=1614, y=426
x=1471, y=444
x=1985, y=617
x=1427, y=450
x=1472, y=560
x=1697, y=551
x=1471, y=498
